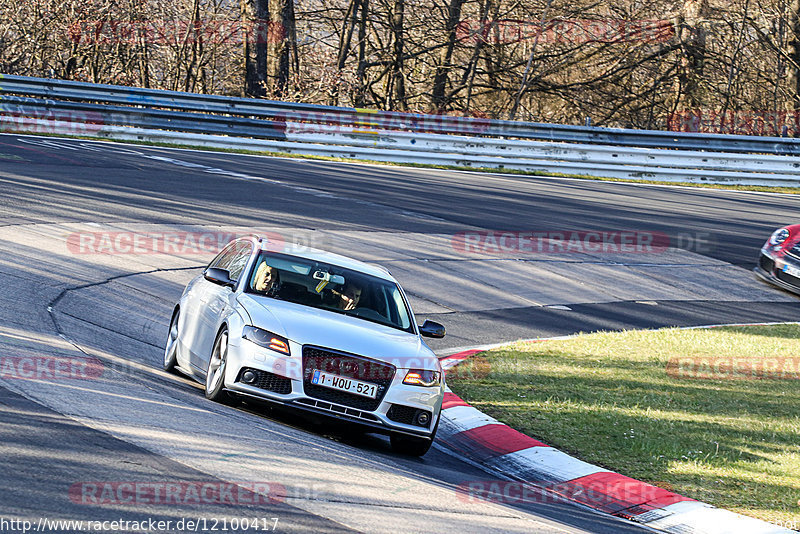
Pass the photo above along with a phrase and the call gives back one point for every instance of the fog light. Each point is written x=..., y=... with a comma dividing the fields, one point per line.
x=423, y=418
x=248, y=377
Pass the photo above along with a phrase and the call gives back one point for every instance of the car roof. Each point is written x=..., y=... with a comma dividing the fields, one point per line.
x=314, y=254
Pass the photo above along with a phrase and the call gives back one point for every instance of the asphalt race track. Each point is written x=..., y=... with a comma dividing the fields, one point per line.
x=69, y=296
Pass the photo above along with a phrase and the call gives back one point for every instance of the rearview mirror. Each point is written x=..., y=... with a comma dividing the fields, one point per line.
x=328, y=277
x=431, y=329
x=220, y=277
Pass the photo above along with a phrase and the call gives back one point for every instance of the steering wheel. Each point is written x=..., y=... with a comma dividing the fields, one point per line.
x=368, y=313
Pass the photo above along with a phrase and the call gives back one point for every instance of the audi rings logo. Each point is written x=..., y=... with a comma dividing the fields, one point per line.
x=350, y=367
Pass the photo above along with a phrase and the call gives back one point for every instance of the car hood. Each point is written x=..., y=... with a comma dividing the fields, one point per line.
x=311, y=326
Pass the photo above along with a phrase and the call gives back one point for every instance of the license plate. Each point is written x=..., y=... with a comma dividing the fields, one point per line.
x=791, y=270
x=343, y=383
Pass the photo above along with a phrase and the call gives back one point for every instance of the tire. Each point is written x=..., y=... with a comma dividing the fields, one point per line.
x=171, y=347
x=215, y=373
x=411, y=446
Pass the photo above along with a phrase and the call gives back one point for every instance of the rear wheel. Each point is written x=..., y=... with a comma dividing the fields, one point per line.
x=171, y=348
x=215, y=374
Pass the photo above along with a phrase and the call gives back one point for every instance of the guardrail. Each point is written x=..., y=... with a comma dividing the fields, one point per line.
x=118, y=112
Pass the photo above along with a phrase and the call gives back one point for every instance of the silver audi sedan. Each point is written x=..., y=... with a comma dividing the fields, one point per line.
x=313, y=331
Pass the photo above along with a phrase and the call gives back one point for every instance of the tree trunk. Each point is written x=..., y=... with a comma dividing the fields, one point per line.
x=396, y=87
x=793, y=52
x=344, y=49
x=196, y=36
x=361, y=70
x=469, y=75
x=254, y=16
x=281, y=43
x=440, y=100
x=692, y=36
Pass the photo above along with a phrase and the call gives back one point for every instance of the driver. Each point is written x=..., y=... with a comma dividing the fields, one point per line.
x=266, y=280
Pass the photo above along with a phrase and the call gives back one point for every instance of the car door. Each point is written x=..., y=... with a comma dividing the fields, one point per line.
x=215, y=301
x=192, y=306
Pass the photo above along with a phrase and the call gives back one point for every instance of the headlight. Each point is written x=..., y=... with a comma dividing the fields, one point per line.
x=779, y=236
x=266, y=339
x=419, y=377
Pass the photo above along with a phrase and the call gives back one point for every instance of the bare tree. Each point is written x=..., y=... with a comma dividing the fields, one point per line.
x=345, y=38
x=395, y=84
x=281, y=46
x=793, y=55
x=361, y=69
x=440, y=101
x=692, y=36
x=627, y=63
x=255, y=14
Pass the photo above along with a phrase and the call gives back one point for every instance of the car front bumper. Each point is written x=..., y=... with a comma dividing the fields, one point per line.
x=284, y=385
x=772, y=269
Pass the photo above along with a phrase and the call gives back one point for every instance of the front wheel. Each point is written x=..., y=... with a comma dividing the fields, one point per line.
x=215, y=374
x=171, y=348
x=410, y=445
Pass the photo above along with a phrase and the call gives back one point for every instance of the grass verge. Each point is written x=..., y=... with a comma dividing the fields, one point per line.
x=710, y=414
x=732, y=187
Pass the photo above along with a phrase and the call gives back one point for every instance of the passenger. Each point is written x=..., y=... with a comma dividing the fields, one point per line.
x=346, y=299
x=266, y=280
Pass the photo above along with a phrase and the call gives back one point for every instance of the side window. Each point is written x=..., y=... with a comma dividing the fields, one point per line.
x=239, y=259
x=405, y=320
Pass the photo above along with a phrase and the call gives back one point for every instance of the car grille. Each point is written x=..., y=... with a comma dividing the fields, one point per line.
x=268, y=381
x=341, y=410
x=350, y=366
x=788, y=278
x=794, y=251
x=406, y=415
x=766, y=264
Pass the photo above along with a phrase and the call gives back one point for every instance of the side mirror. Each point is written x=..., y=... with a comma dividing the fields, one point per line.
x=431, y=329
x=220, y=277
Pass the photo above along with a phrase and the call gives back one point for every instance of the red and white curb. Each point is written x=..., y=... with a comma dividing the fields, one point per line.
x=498, y=448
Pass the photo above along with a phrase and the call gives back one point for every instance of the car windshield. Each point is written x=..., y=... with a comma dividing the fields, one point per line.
x=330, y=287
